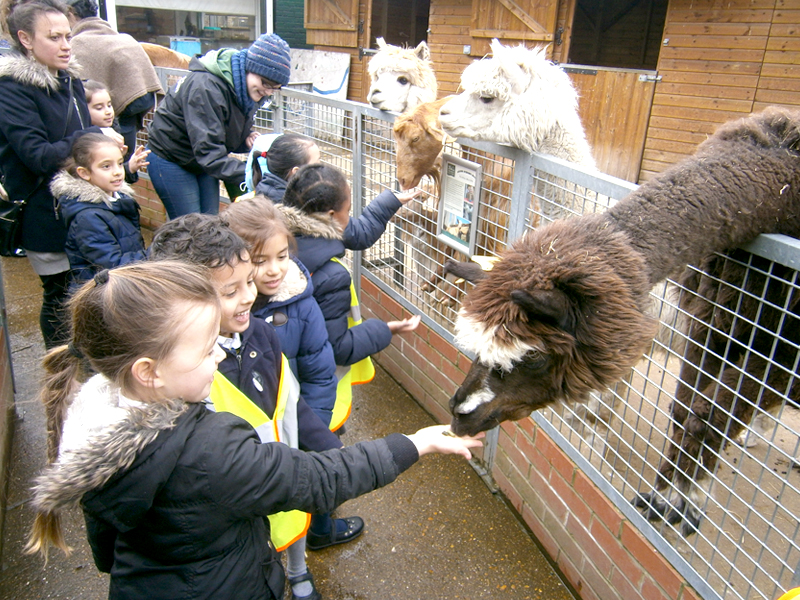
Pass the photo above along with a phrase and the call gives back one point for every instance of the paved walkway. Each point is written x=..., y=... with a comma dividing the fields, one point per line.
x=437, y=532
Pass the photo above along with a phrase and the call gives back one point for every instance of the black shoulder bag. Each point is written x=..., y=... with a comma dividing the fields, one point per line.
x=11, y=210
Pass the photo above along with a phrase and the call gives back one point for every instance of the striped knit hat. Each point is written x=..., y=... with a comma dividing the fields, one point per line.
x=269, y=57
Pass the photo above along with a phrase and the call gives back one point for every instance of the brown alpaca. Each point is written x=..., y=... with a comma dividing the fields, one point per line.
x=564, y=311
x=161, y=56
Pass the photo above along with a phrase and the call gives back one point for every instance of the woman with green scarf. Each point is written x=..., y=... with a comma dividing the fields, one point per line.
x=208, y=115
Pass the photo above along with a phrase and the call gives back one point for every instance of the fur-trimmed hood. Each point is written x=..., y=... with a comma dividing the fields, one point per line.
x=311, y=225
x=103, y=434
x=65, y=185
x=295, y=284
x=27, y=71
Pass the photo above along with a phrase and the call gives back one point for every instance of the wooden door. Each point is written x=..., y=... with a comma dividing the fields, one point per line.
x=614, y=106
x=332, y=23
x=512, y=21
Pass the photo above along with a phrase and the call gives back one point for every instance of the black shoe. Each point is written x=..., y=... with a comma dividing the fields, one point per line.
x=314, y=595
x=355, y=527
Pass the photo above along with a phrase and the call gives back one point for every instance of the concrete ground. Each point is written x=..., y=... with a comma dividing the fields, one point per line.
x=437, y=532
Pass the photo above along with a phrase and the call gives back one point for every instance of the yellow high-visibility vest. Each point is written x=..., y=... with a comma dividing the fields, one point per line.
x=285, y=527
x=361, y=372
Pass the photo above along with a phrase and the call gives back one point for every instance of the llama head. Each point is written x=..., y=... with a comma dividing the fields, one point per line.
x=557, y=317
x=419, y=144
x=519, y=98
x=401, y=78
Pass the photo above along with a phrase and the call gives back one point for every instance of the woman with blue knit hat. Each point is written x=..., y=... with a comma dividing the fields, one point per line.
x=207, y=116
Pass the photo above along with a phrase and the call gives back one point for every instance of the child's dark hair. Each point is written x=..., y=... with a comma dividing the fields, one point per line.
x=256, y=221
x=83, y=150
x=288, y=151
x=199, y=239
x=317, y=188
x=83, y=9
x=91, y=87
x=21, y=16
x=134, y=311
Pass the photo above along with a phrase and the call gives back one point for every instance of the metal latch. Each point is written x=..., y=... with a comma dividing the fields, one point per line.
x=655, y=78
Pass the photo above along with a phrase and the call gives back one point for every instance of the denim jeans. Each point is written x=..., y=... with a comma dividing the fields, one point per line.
x=180, y=191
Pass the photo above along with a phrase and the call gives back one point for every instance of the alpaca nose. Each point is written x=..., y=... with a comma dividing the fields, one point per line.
x=444, y=111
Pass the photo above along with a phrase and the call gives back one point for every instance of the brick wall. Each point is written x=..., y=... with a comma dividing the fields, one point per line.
x=598, y=550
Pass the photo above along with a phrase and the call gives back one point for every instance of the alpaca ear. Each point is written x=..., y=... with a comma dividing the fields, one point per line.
x=381, y=43
x=550, y=306
x=422, y=51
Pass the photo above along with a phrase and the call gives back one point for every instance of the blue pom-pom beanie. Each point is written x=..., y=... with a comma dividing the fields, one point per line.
x=269, y=57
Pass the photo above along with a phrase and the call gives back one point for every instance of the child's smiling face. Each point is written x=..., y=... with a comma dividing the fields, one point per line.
x=106, y=171
x=237, y=292
x=101, y=109
x=271, y=262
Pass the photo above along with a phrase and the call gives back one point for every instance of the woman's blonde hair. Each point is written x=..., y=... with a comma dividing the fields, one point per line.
x=256, y=221
x=116, y=318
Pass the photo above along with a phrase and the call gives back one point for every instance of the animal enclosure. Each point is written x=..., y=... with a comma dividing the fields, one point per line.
x=745, y=547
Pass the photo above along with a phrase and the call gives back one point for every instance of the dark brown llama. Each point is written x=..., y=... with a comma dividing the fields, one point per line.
x=564, y=311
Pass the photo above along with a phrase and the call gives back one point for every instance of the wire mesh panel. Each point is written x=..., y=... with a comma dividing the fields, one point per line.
x=702, y=437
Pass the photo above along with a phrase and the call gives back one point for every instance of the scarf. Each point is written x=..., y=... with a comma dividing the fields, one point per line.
x=240, y=82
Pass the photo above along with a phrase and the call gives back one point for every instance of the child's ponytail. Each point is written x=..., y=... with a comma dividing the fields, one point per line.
x=64, y=368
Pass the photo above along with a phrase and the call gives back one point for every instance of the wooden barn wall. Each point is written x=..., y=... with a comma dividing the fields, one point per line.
x=719, y=61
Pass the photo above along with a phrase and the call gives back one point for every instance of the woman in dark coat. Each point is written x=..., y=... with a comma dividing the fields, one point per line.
x=42, y=111
x=206, y=117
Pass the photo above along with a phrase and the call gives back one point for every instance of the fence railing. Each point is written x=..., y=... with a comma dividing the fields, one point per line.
x=746, y=545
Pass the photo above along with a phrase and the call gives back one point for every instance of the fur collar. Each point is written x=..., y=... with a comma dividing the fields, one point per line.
x=103, y=434
x=310, y=225
x=27, y=71
x=64, y=184
x=294, y=284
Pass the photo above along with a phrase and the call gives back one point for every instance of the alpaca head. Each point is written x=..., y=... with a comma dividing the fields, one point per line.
x=401, y=78
x=519, y=98
x=553, y=320
x=419, y=144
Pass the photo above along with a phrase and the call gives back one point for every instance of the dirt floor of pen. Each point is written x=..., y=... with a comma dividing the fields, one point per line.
x=437, y=532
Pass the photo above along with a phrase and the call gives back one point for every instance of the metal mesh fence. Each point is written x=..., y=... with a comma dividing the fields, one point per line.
x=727, y=354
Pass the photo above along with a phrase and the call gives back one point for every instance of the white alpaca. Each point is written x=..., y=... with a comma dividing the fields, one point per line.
x=519, y=98
x=401, y=78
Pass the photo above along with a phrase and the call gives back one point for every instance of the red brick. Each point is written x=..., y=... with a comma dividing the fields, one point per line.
x=651, y=591
x=528, y=425
x=624, y=588
x=447, y=385
x=570, y=571
x=597, y=585
x=589, y=547
x=541, y=533
x=611, y=545
x=464, y=363
x=513, y=496
x=452, y=373
x=515, y=455
x=554, y=503
x=652, y=562
x=558, y=460
x=525, y=445
x=574, y=502
x=600, y=504
x=443, y=347
x=369, y=287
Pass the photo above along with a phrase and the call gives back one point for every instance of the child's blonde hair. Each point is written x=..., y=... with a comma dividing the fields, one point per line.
x=116, y=318
x=256, y=221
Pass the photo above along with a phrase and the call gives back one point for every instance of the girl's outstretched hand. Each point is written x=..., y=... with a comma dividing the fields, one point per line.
x=404, y=326
x=408, y=196
x=138, y=159
x=441, y=440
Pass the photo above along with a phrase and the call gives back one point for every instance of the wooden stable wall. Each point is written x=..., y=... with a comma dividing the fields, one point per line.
x=719, y=61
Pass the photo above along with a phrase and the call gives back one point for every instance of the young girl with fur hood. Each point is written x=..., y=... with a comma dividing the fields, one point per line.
x=101, y=216
x=174, y=495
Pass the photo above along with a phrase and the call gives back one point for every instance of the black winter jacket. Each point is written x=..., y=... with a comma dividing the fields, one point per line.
x=199, y=123
x=184, y=519
x=255, y=369
x=38, y=125
x=318, y=241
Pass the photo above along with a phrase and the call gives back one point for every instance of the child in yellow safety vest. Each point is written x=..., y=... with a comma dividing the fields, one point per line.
x=254, y=381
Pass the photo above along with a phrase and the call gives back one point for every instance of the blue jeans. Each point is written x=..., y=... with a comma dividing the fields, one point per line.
x=180, y=191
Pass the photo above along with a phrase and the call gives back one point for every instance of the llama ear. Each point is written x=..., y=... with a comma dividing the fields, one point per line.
x=381, y=43
x=550, y=306
x=422, y=51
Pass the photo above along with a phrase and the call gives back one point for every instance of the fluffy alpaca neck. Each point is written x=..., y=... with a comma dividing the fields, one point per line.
x=721, y=198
